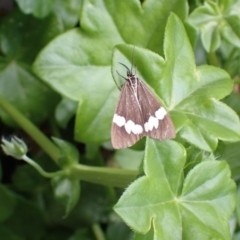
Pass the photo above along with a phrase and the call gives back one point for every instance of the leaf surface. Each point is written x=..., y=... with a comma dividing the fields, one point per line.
x=77, y=64
x=189, y=93
x=197, y=205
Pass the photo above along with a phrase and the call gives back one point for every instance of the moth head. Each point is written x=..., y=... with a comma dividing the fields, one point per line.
x=129, y=72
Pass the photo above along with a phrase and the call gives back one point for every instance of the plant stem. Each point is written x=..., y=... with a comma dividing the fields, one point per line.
x=98, y=232
x=40, y=170
x=213, y=59
x=31, y=129
x=104, y=175
x=100, y=175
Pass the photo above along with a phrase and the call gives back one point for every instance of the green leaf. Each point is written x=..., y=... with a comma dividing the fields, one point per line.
x=77, y=64
x=236, y=236
x=39, y=8
x=59, y=233
x=231, y=154
x=65, y=110
x=67, y=191
x=217, y=21
x=192, y=33
x=201, y=87
x=34, y=99
x=81, y=234
x=68, y=12
x=18, y=84
x=199, y=205
x=190, y=93
x=26, y=212
x=17, y=39
x=194, y=157
x=210, y=37
x=6, y=233
x=7, y=203
x=148, y=236
x=233, y=59
x=69, y=153
x=26, y=180
x=238, y=206
x=94, y=205
x=93, y=153
x=129, y=158
x=233, y=101
x=117, y=229
x=0, y=171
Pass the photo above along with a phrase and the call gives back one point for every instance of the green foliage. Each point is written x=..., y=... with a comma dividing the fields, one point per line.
x=58, y=78
x=67, y=191
x=165, y=198
x=195, y=107
x=18, y=84
x=66, y=63
x=217, y=20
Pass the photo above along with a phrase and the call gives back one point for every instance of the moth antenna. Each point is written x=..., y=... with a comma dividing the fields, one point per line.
x=136, y=71
x=132, y=57
x=121, y=75
x=126, y=67
x=138, y=113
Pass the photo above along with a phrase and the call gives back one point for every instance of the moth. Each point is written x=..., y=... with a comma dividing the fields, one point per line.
x=139, y=113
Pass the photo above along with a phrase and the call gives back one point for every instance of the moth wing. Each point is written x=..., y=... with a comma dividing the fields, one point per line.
x=127, y=125
x=156, y=121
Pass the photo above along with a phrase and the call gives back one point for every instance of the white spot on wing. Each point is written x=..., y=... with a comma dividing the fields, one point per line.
x=146, y=127
x=120, y=121
x=137, y=129
x=160, y=113
x=152, y=122
x=130, y=126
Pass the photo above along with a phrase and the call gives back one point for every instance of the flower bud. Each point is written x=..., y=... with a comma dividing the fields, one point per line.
x=15, y=147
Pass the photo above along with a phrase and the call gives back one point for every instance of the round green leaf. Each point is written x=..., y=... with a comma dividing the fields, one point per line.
x=67, y=191
x=171, y=206
x=68, y=11
x=69, y=153
x=18, y=84
x=65, y=110
x=39, y=8
x=7, y=203
x=217, y=21
x=190, y=93
x=77, y=64
x=6, y=233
